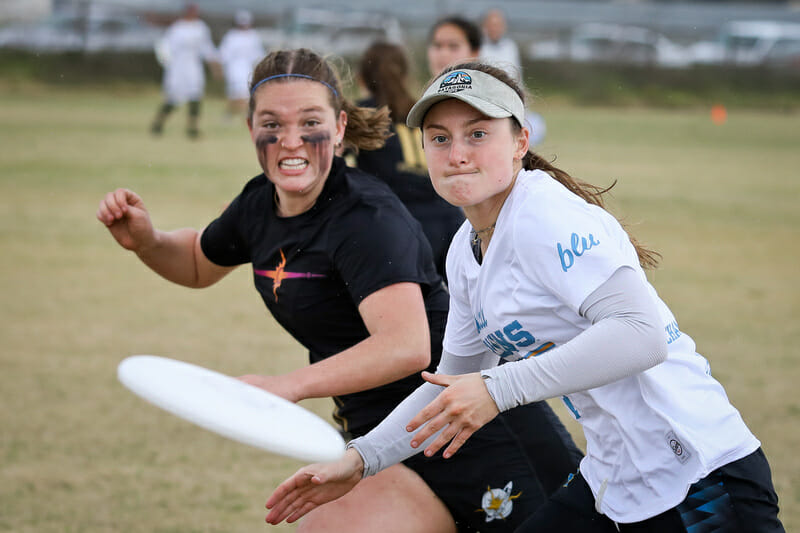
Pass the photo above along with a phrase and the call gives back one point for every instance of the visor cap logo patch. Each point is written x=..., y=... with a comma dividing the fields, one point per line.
x=456, y=82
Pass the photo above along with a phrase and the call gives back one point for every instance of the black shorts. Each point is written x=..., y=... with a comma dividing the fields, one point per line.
x=505, y=471
x=735, y=498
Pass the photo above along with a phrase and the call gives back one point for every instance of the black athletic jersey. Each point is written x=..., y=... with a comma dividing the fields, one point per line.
x=401, y=165
x=314, y=269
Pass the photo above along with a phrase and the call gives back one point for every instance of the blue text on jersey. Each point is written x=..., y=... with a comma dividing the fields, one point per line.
x=480, y=321
x=578, y=246
x=672, y=332
x=509, y=339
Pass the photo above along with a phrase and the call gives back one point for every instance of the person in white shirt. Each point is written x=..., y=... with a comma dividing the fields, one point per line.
x=240, y=51
x=186, y=45
x=499, y=49
x=542, y=277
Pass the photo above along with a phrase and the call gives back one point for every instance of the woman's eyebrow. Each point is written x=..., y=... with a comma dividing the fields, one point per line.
x=312, y=109
x=469, y=122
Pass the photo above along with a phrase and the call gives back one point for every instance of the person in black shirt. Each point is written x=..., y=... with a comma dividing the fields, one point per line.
x=383, y=71
x=314, y=269
x=344, y=268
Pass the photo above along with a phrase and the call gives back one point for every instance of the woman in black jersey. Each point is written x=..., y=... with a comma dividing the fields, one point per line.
x=345, y=269
x=383, y=71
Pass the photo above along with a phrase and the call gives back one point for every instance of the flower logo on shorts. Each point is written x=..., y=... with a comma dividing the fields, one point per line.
x=497, y=504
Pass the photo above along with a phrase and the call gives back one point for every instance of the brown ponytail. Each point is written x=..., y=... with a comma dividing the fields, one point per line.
x=384, y=71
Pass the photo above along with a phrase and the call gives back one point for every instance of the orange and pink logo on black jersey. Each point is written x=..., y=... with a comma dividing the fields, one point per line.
x=280, y=274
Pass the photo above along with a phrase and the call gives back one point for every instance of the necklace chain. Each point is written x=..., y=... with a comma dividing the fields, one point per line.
x=476, y=233
x=484, y=230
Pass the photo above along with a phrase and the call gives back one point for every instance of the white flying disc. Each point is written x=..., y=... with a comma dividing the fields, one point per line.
x=231, y=408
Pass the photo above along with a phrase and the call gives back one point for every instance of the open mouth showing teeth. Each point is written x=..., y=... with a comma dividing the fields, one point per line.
x=293, y=164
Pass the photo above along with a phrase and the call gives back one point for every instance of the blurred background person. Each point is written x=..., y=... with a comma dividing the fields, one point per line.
x=384, y=73
x=500, y=50
x=240, y=51
x=186, y=45
x=452, y=39
x=497, y=48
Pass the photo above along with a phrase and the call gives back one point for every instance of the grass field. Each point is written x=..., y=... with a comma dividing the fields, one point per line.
x=78, y=452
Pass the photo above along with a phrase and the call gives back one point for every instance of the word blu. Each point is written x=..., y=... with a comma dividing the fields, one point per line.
x=578, y=246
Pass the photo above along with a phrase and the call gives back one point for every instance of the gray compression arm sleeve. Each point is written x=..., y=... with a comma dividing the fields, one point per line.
x=625, y=338
x=389, y=443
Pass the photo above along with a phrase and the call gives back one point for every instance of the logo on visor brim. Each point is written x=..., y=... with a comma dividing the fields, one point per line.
x=456, y=82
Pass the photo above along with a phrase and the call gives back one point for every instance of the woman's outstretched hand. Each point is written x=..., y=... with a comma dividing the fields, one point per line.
x=462, y=408
x=314, y=485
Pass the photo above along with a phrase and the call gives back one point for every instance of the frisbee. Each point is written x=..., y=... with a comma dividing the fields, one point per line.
x=231, y=408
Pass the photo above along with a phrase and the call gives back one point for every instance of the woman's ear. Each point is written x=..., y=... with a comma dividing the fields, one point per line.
x=523, y=143
x=341, y=126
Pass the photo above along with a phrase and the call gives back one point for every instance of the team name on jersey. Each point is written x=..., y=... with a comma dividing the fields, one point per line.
x=577, y=247
x=480, y=321
x=673, y=333
x=509, y=339
x=512, y=339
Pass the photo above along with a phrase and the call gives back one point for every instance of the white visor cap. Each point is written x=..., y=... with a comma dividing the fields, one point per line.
x=485, y=93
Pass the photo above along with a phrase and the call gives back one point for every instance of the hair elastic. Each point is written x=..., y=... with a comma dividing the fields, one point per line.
x=290, y=75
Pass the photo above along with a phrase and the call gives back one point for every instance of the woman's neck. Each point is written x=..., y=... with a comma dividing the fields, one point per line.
x=483, y=216
x=291, y=205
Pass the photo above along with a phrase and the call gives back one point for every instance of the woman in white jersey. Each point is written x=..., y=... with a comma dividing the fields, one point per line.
x=240, y=51
x=183, y=49
x=542, y=277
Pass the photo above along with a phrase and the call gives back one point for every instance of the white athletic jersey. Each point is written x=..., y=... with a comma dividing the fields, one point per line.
x=240, y=51
x=649, y=436
x=186, y=44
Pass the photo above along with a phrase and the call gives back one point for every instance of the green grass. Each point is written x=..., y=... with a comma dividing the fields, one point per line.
x=78, y=452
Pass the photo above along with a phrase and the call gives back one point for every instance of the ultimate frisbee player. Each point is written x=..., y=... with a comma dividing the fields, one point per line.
x=544, y=278
x=346, y=270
